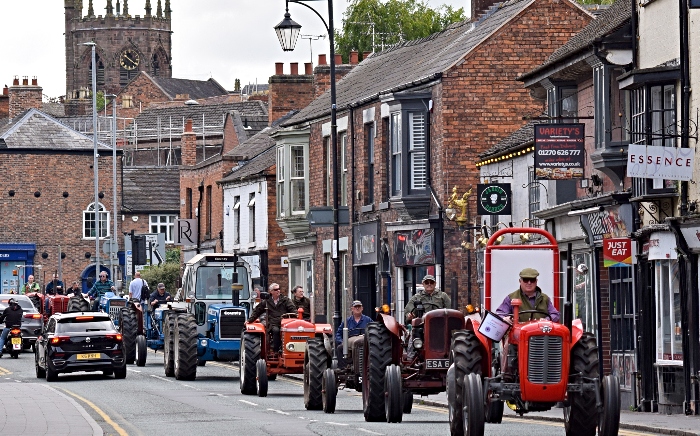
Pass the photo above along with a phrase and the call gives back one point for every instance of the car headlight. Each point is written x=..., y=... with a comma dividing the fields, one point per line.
x=417, y=343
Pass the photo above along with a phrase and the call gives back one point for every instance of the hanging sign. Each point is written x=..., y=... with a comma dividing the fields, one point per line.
x=559, y=151
x=494, y=199
x=657, y=162
x=617, y=252
x=661, y=245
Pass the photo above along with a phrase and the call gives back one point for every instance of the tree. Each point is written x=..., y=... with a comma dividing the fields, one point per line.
x=371, y=25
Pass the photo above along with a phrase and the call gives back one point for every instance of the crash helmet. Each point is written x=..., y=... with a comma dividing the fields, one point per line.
x=11, y=301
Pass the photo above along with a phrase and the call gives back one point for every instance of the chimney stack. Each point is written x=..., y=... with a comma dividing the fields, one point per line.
x=366, y=54
x=5, y=103
x=479, y=7
x=23, y=97
x=288, y=92
x=189, y=145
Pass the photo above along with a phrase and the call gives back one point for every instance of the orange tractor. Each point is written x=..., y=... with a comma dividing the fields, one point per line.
x=538, y=363
x=258, y=363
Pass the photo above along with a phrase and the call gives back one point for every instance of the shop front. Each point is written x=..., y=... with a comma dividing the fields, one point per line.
x=16, y=259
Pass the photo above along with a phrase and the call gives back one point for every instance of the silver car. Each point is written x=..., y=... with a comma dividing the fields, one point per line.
x=31, y=319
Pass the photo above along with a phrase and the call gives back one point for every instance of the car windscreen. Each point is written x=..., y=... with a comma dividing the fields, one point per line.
x=24, y=304
x=84, y=326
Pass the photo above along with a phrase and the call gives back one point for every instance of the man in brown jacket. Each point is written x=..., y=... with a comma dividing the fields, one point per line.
x=274, y=307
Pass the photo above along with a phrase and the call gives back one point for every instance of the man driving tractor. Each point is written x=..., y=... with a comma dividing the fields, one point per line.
x=532, y=298
x=276, y=306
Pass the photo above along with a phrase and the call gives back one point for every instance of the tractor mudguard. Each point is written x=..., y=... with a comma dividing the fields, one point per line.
x=390, y=323
x=473, y=325
x=576, y=331
x=325, y=329
x=255, y=327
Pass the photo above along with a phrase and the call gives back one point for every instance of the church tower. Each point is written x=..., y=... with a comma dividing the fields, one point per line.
x=125, y=44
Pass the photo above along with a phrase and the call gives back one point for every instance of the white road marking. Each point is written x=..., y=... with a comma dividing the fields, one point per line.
x=191, y=387
x=133, y=370
x=368, y=431
x=248, y=402
x=336, y=423
x=278, y=411
x=162, y=378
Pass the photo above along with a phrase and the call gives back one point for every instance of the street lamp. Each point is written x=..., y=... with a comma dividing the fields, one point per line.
x=287, y=32
x=113, y=241
x=96, y=155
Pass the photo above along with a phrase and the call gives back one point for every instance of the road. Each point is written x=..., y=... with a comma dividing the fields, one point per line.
x=148, y=403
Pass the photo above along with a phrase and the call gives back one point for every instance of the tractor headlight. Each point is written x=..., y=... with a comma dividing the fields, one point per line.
x=417, y=344
x=290, y=347
x=203, y=342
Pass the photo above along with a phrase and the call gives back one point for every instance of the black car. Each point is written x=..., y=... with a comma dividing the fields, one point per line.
x=79, y=341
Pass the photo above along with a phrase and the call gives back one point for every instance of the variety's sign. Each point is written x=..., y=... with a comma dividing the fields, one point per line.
x=617, y=252
x=559, y=151
x=657, y=162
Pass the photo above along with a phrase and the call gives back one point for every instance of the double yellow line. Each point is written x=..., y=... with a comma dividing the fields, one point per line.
x=120, y=431
x=4, y=371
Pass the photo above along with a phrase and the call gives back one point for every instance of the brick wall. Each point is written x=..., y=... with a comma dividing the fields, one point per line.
x=52, y=220
x=143, y=92
x=5, y=103
x=24, y=96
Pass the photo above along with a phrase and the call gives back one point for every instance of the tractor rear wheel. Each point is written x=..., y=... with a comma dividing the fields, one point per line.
x=330, y=391
x=141, y=350
x=581, y=416
x=168, y=345
x=78, y=304
x=609, y=423
x=466, y=357
x=473, y=401
x=129, y=328
x=249, y=355
x=377, y=357
x=185, y=343
x=315, y=362
x=261, y=377
x=393, y=406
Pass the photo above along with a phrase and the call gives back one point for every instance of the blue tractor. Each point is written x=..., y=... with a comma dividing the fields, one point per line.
x=205, y=321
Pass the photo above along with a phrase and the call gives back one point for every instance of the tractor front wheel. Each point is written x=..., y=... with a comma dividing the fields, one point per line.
x=466, y=358
x=609, y=423
x=330, y=391
x=581, y=416
x=261, y=377
x=407, y=402
x=78, y=304
x=168, y=345
x=129, y=327
x=141, y=350
x=249, y=355
x=315, y=363
x=473, y=401
x=394, y=394
x=377, y=351
x=185, y=343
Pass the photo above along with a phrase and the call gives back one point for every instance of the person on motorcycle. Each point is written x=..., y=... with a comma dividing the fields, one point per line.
x=357, y=323
x=532, y=298
x=30, y=286
x=277, y=305
x=100, y=288
x=430, y=297
x=12, y=316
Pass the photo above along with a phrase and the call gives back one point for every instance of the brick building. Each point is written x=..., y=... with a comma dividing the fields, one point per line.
x=407, y=136
x=125, y=44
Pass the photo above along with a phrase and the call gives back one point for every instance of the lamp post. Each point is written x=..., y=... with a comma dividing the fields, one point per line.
x=113, y=240
x=96, y=155
x=287, y=33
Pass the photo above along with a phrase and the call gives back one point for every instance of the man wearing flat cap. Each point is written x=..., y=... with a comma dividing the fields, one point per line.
x=532, y=298
x=430, y=297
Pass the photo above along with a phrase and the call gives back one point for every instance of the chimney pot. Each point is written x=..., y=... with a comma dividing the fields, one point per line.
x=5, y=90
x=15, y=81
x=322, y=59
x=338, y=59
x=366, y=54
x=35, y=81
x=25, y=80
x=188, y=125
x=294, y=68
x=308, y=68
x=279, y=68
x=353, y=57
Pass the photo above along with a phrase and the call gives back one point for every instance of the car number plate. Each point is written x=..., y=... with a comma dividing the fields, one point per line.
x=86, y=356
x=16, y=341
x=437, y=363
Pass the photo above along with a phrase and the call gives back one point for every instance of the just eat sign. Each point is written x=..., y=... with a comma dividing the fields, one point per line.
x=617, y=252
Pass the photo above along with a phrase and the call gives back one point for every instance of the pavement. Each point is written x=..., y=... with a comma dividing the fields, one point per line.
x=37, y=409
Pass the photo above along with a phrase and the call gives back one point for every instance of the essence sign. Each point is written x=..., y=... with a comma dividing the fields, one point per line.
x=617, y=252
x=657, y=162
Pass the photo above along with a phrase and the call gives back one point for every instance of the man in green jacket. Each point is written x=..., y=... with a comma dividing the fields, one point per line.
x=431, y=298
x=532, y=298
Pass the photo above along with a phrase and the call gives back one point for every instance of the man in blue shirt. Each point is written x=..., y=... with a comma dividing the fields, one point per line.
x=101, y=287
x=357, y=323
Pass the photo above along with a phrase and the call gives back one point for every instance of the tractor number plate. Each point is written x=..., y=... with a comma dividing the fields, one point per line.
x=16, y=341
x=437, y=363
x=87, y=356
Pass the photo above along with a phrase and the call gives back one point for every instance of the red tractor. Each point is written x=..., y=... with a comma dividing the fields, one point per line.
x=57, y=304
x=258, y=363
x=538, y=364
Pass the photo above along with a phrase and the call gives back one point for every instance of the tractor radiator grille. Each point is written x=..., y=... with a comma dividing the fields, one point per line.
x=544, y=359
x=231, y=326
x=440, y=331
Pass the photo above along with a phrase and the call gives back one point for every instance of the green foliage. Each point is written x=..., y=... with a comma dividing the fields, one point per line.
x=168, y=273
x=392, y=21
x=172, y=255
x=101, y=101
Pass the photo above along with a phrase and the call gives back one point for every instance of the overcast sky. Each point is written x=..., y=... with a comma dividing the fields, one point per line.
x=223, y=39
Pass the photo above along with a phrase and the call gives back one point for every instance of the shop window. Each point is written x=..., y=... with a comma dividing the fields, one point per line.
x=622, y=329
x=584, y=299
x=668, y=312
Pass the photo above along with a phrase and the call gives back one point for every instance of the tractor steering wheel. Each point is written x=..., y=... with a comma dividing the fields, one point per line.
x=532, y=312
x=289, y=315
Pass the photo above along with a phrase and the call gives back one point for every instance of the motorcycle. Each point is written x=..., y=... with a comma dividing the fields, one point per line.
x=13, y=344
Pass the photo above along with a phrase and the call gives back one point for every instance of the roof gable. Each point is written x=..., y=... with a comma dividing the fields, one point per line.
x=195, y=89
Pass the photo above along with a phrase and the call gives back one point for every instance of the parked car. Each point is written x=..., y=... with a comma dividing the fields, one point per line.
x=79, y=341
x=30, y=321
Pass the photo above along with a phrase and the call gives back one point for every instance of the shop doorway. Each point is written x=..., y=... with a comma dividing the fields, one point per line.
x=367, y=288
